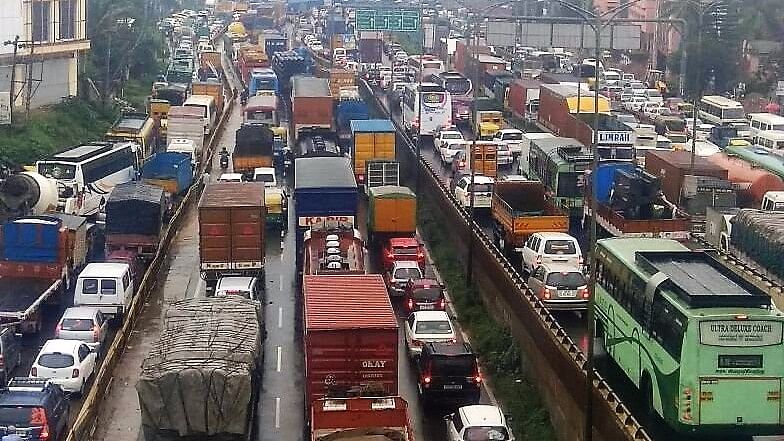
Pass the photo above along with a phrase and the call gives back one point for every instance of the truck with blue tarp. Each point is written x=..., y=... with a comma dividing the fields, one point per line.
x=172, y=171
x=325, y=196
x=263, y=79
x=347, y=109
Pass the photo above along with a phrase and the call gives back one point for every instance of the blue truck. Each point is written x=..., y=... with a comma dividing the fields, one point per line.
x=347, y=110
x=172, y=171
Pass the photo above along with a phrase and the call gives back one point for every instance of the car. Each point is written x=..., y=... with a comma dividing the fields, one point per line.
x=399, y=274
x=35, y=407
x=504, y=155
x=460, y=163
x=10, y=352
x=427, y=327
x=265, y=175
x=85, y=324
x=246, y=287
x=424, y=295
x=449, y=150
x=401, y=56
x=550, y=247
x=635, y=103
x=448, y=373
x=482, y=190
x=443, y=137
x=560, y=286
x=478, y=422
x=230, y=177
x=402, y=248
x=512, y=138
x=68, y=363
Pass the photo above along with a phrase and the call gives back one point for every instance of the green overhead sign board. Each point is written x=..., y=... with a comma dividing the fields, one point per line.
x=397, y=20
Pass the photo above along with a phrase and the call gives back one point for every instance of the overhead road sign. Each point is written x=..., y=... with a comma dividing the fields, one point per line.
x=566, y=35
x=395, y=20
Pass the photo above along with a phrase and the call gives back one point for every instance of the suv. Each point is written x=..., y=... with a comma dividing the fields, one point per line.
x=36, y=407
x=550, y=247
x=482, y=190
x=448, y=372
x=424, y=295
x=478, y=422
x=403, y=248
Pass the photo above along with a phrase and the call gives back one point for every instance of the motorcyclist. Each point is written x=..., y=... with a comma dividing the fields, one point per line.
x=244, y=97
x=224, y=157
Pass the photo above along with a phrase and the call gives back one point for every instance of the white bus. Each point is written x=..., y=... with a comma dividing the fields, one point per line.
x=87, y=174
x=772, y=139
x=759, y=122
x=207, y=104
x=718, y=110
x=425, y=65
x=436, y=107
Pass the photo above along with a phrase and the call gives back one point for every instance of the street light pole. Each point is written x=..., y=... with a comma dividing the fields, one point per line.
x=472, y=156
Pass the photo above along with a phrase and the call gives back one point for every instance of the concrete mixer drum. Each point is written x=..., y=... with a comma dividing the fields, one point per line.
x=27, y=193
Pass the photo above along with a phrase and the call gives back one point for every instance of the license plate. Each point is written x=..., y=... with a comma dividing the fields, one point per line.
x=426, y=306
x=453, y=386
x=567, y=293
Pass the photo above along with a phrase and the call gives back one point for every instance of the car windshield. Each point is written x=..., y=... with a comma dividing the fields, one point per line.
x=514, y=136
x=486, y=433
x=456, y=146
x=71, y=324
x=56, y=360
x=454, y=366
x=23, y=417
x=407, y=273
x=559, y=247
x=433, y=327
x=427, y=293
x=566, y=280
x=452, y=135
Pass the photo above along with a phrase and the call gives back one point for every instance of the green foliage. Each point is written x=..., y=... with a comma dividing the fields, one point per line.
x=411, y=42
x=498, y=351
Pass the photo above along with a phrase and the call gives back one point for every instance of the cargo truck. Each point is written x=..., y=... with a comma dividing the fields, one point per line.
x=135, y=215
x=171, y=171
x=522, y=208
x=213, y=89
x=336, y=419
x=351, y=337
x=338, y=79
x=135, y=127
x=333, y=251
x=231, y=230
x=311, y=105
x=253, y=148
x=486, y=118
x=718, y=227
x=186, y=123
x=250, y=57
x=372, y=139
x=757, y=238
x=380, y=172
x=391, y=213
x=40, y=257
x=348, y=108
x=273, y=43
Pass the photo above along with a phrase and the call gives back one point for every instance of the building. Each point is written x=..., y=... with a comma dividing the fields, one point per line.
x=52, y=34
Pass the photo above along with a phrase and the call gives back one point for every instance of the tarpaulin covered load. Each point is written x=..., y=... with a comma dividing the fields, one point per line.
x=31, y=239
x=201, y=376
x=253, y=139
x=135, y=208
x=760, y=235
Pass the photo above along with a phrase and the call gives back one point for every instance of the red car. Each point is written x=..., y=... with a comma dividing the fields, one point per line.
x=424, y=295
x=403, y=248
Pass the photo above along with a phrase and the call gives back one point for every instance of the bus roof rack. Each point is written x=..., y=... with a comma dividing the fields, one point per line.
x=701, y=280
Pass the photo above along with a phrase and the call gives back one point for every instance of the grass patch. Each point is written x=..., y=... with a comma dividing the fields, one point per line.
x=136, y=91
x=53, y=128
x=498, y=351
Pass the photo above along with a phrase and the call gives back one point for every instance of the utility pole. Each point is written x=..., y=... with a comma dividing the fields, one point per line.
x=29, y=96
x=13, y=76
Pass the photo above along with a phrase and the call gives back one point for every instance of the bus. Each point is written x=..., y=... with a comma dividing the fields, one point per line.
x=87, y=174
x=720, y=111
x=436, y=107
x=772, y=139
x=424, y=65
x=560, y=163
x=759, y=122
x=701, y=343
x=454, y=82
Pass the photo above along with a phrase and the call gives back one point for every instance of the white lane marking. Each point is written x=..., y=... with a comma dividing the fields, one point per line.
x=280, y=357
x=277, y=412
x=280, y=286
x=280, y=316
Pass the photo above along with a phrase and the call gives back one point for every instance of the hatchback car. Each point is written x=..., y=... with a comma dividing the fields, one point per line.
x=68, y=363
x=560, y=286
x=85, y=324
x=551, y=247
x=245, y=287
x=428, y=327
x=448, y=372
x=424, y=295
x=35, y=408
x=399, y=274
x=403, y=248
x=478, y=422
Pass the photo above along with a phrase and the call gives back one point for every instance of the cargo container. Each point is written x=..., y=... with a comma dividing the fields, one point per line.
x=391, y=212
x=348, y=109
x=273, y=43
x=757, y=238
x=250, y=57
x=172, y=171
x=210, y=88
x=209, y=60
x=718, y=227
x=372, y=139
x=370, y=50
x=231, y=230
x=520, y=209
x=187, y=123
x=379, y=172
x=311, y=104
x=464, y=54
x=672, y=167
x=558, y=105
x=484, y=158
x=523, y=98
x=751, y=182
x=338, y=79
x=252, y=149
x=135, y=218
x=330, y=251
x=351, y=336
x=343, y=418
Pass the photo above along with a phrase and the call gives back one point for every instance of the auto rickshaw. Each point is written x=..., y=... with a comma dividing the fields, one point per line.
x=277, y=207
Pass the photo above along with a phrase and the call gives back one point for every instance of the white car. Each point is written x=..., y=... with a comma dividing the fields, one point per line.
x=550, y=247
x=245, y=287
x=230, y=177
x=482, y=191
x=478, y=422
x=444, y=136
x=401, y=56
x=427, y=327
x=68, y=363
x=448, y=151
x=512, y=138
x=265, y=175
x=635, y=103
x=504, y=155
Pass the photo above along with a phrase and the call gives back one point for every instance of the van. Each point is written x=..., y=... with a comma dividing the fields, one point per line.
x=207, y=104
x=106, y=286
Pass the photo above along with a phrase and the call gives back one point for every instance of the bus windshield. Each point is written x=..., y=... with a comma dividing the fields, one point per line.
x=56, y=170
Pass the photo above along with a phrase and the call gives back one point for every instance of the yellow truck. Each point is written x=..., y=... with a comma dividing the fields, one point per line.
x=391, y=212
x=371, y=139
x=135, y=127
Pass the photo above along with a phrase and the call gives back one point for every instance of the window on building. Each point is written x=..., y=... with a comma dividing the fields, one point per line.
x=67, y=19
x=41, y=20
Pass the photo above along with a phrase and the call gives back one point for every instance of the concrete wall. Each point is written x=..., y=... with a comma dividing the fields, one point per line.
x=59, y=80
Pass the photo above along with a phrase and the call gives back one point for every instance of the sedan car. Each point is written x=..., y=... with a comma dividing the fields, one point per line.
x=560, y=286
x=67, y=363
x=84, y=324
x=428, y=327
x=398, y=276
x=448, y=151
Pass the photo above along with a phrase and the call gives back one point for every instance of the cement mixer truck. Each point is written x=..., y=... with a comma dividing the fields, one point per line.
x=27, y=194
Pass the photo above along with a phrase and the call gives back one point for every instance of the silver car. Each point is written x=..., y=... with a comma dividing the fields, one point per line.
x=560, y=286
x=85, y=324
x=246, y=287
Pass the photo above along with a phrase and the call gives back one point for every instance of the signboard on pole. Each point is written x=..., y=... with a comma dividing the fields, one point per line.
x=5, y=108
x=394, y=20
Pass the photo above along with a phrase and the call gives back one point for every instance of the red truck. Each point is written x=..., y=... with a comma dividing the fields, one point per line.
x=249, y=58
x=351, y=336
x=347, y=418
x=333, y=251
x=311, y=104
x=524, y=98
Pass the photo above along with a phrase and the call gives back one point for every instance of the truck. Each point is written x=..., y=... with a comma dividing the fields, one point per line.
x=391, y=213
x=253, y=148
x=311, y=104
x=27, y=194
x=756, y=238
x=135, y=216
x=211, y=61
x=718, y=227
x=381, y=172
x=522, y=208
x=210, y=88
x=752, y=183
x=523, y=99
x=338, y=79
x=372, y=139
x=672, y=167
x=350, y=106
x=231, y=230
x=370, y=47
x=40, y=257
x=135, y=127
x=337, y=419
x=186, y=123
x=334, y=251
x=349, y=350
x=250, y=57
x=195, y=365
x=486, y=118
x=273, y=43
x=172, y=171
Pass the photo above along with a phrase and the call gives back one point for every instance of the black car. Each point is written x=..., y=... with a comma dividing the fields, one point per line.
x=449, y=374
x=33, y=408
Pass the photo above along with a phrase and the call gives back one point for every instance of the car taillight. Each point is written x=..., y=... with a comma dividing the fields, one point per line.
x=538, y=260
x=410, y=304
x=546, y=293
x=390, y=255
x=585, y=293
x=58, y=329
x=442, y=304
x=420, y=255
x=580, y=260
x=360, y=179
x=33, y=371
x=427, y=379
x=75, y=373
x=96, y=333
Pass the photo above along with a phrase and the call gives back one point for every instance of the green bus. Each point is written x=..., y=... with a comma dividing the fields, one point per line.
x=769, y=160
x=560, y=163
x=702, y=344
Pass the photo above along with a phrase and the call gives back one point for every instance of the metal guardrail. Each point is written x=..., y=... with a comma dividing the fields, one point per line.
x=558, y=363
x=83, y=428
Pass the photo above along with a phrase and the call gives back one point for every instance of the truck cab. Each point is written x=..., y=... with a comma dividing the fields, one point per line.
x=773, y=201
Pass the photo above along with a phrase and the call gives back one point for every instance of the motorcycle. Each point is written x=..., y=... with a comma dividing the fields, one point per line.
x=224, y=162
x=287, y=161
